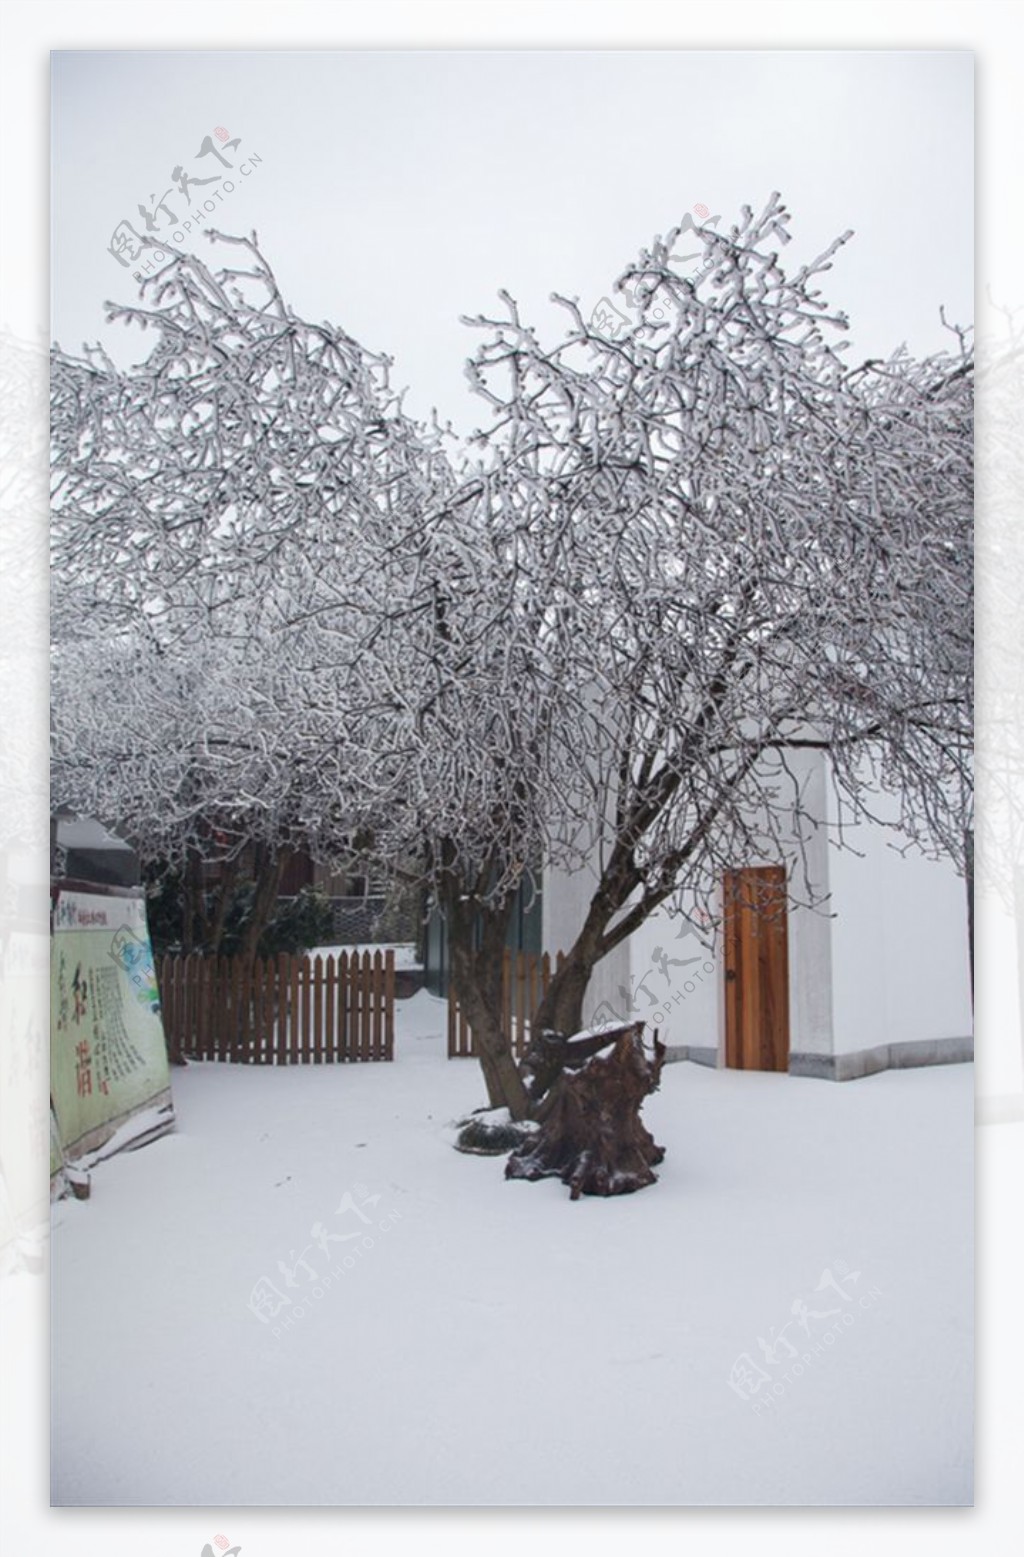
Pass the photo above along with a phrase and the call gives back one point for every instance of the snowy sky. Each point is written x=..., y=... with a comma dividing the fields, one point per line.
x=399, y=190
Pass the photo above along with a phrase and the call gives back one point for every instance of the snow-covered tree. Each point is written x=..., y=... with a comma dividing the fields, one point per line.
x=671, y=558
x=772, y=548
x=197, y=499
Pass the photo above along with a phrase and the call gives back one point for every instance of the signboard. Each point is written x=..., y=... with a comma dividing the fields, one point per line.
x=108, y=1059
x=58, y=1178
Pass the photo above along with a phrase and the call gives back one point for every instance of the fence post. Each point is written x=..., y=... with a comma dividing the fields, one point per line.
x=389, y=1005
x=265, y=1053
x=225, y=1035
x=365, y=1015
x=194, y=987
x=300, y=1042
x=254, y=1011
x=292, y=1032
x=208, y=966
x=378, y=1006
x=277, y=1048
x=318, y=1011
x=330, y=1031
x=213, y=1022
x=208, y=989
x=161, y=967
x=188, y=990
x=222, y=1019
x=344, y=996
x=238, y=1000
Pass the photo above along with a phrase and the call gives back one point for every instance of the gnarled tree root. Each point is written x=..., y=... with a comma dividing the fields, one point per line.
x=592, y=1137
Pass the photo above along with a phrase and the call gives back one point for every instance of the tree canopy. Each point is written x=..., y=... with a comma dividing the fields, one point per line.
x=600, y=629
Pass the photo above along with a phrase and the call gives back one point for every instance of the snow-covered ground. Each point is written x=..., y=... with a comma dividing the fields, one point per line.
x=482, y=1342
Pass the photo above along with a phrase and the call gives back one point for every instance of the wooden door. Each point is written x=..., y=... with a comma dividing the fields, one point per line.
x=756, y=969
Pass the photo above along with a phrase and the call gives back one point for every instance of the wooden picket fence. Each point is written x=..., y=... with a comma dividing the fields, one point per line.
x=281, y=1011
x=525, y=977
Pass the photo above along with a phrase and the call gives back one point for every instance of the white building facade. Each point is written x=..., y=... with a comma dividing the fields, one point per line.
x=877, y=975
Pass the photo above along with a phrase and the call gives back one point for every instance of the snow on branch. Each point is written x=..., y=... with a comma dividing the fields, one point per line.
x=606, y=627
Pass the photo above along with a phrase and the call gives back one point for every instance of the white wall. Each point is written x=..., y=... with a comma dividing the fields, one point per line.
x=900, y=958
x=687, y=999
x=810, y=928
x=689, y=1006
x=883, y=959
x=567, y=895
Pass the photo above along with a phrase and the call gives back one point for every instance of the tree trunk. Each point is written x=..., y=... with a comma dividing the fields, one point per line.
x=477, y=939
x=267, y=870
x=592, y=1137
x=476, y=979
x=561, y=1008
x=225, y=892
x=193, y=904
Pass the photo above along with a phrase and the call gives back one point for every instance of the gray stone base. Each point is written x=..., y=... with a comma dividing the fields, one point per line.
x=885, y=1056
x=850, y=1067
x=686, y=1051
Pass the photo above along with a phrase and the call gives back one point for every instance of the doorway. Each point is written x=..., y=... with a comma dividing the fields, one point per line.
x=756, y=969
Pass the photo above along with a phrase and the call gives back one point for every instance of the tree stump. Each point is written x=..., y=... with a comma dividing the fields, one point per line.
x=592, y=1137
